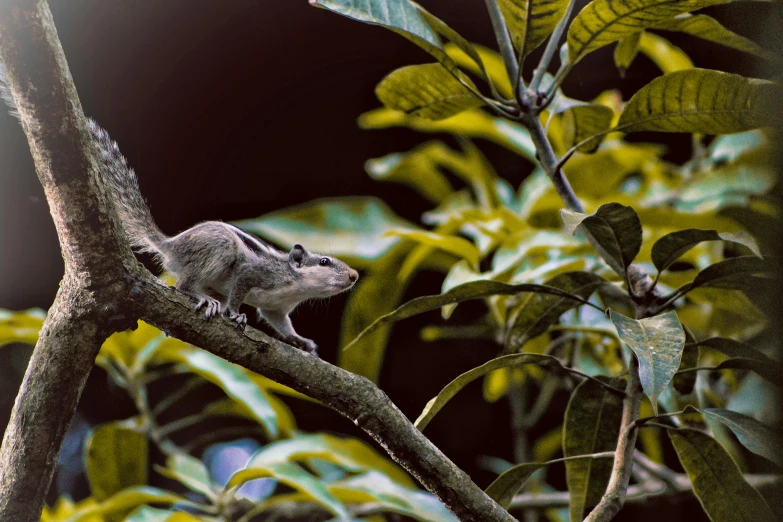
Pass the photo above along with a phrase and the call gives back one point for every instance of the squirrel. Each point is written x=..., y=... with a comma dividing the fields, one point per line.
x=217, y=263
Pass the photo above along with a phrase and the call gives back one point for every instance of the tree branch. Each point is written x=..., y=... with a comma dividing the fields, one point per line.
x=350, y=395
x=85, y=311
x=105, y=290
x=613, y=499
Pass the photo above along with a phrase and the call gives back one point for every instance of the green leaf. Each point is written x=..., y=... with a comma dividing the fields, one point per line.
x=451, y=389
x=668, y=57
x=625, y=51
x=539, y=311
x=503, y=488
x=234, y=380
x=394, y=497
x=190, y=472
x=401, y=16
x=428, y=91
x=684, y=382
x=730, y=147
x=129, y=499
x=752, y=434
x=731, y=184
x=148, y=514
x=616, y=229
x=717, y=481
x=351, y=228
x=473, y=290
x=531, y=21
x=372, y=296
x=582, y=121
x=658, y=343
x=602, y=22
x=419, y=168
x=116, y=458
x=758, y=361
x=699, y=100
x=21, y=327
x=350, y=454
x=294, y=476
x=670, y=247
x=707, y=28
x=456, y=245
x=733, y=273
x=592, y=425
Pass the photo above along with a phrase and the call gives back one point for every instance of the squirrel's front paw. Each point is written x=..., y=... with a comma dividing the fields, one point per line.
x=211, y=305
x=303, y=344
x=240, y=319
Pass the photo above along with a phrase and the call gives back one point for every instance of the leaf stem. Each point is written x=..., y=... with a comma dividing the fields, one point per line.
x=503, y=39
x=549, y=162
x=551, y=47
x=614, y=498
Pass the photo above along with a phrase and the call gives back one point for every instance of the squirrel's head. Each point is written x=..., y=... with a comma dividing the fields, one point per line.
x=321, y=275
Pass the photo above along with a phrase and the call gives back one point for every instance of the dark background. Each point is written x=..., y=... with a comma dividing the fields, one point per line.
x=229, y=110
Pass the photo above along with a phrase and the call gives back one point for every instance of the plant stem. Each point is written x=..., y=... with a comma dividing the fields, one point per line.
x=551, y=47
x=503, y=39
x=548, y=160
x=614, y=498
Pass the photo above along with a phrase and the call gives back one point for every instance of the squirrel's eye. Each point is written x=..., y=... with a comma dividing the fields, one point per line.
x=324, y=261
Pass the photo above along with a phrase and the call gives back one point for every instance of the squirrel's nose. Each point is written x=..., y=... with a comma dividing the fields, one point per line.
x=353, y=275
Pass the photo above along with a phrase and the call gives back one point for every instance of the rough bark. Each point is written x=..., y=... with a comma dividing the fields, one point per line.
x=81, y=316
x=105, y=290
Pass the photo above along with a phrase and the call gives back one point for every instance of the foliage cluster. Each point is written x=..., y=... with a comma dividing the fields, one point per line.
x=644, y=276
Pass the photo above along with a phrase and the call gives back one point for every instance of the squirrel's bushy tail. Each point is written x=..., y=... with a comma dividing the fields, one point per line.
x=143, y=233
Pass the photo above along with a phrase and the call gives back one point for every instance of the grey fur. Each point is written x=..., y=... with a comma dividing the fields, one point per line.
x=215, y=262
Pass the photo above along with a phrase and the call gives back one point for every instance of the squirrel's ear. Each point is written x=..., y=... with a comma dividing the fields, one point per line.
x=297, y=255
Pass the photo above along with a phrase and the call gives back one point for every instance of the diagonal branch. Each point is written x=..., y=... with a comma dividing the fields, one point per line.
x=105, y=290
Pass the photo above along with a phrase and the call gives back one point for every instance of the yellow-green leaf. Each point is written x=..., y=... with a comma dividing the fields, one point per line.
x=592, y=424
x=351, y=228
x=235, y=381
x=470, y=124
x=428, y=91
x=708, y=28
x=190, y=472
x=625, y=51
x=451, y=389
x=418, y=168
x=117, y=458
x=453, y=244
x=494, y=68
x=373, y=296
x=602, y=22
x=417, y=504
x=668, y=57
x=129, y=499
x=582, y=121
x=717, y=481
x=531, y=21
x=20, y=327
x=699, y=100
x=350, y=454
x=294, y=476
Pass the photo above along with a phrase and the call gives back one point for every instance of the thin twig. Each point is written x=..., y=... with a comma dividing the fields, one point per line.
x=503, y=39
x=551, y=47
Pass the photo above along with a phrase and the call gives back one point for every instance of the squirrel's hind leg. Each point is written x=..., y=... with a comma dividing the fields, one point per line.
x=192, y=287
